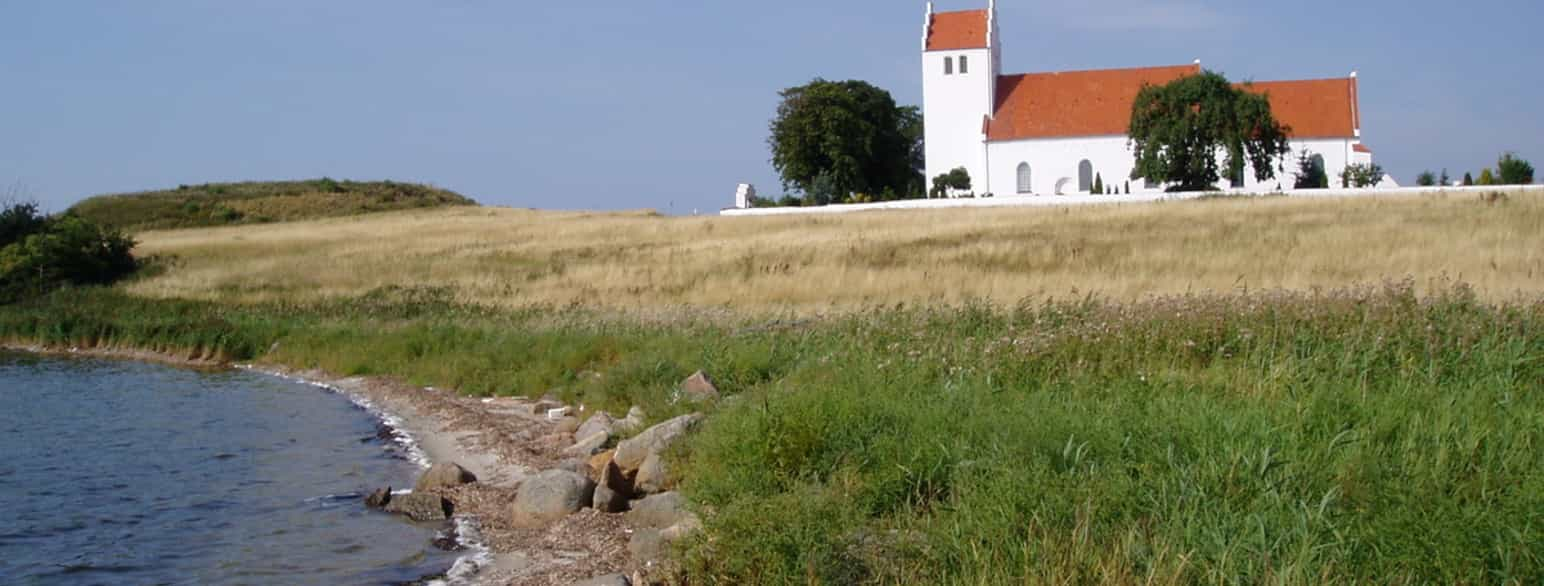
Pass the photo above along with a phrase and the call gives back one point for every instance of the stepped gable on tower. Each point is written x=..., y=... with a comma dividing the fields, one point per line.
x=953, y=31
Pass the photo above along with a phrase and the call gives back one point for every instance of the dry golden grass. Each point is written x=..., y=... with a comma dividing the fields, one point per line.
x=516, y=258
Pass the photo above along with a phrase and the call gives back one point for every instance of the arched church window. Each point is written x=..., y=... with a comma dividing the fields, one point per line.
x=964, y=64
x=948, y=66
x=1025, y=185
x=1085, y=176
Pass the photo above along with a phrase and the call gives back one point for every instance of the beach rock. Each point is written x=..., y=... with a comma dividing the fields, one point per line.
x=589, y=445
x=645, y=545
x=649, y=544
x=598, y=463
x=578, y=466
x=444, y=475
x=379, y=499
x=699, y=388
x=568, y=425
x=651, y=476
x=607, y=580
x=421, y=506
x=597, y=422
x=658, y=511
x=631, y=453
x=552, y=495
x=613, y=491
x=634, y=420
x=684, y=528
x=540, y=408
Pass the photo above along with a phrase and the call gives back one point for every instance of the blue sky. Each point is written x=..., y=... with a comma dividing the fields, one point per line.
x=650, y=104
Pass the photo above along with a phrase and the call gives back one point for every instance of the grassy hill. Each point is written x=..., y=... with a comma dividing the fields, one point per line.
x=221, y=204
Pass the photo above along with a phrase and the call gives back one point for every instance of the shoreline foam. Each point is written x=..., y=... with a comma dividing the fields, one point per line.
x=467, y=533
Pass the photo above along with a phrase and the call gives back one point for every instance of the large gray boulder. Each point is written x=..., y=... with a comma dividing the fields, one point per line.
x=596, y=423
x=631, y=453
x=613, y=491
x=444, y=475
x=645, y=545
x=658, y=511
x=651, y=475
x=421, y=506
x=634, y=420
x=586, y=446
x=552, y=495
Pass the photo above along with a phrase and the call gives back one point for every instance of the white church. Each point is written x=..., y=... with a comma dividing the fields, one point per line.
x=1043, y=134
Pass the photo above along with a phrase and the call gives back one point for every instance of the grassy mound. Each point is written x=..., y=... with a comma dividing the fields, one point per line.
x=221, y=204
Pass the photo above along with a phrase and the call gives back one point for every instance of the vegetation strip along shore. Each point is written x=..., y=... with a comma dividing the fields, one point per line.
x=1370, y=434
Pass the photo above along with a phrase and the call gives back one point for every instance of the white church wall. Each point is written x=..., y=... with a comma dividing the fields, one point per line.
x=954, y=106
x=1055, y=160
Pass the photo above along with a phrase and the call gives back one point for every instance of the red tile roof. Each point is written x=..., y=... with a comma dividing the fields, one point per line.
x=954, y=31
x=1073, y=103
x=1314, y=108
x=1361, y=148
x=1098, y=103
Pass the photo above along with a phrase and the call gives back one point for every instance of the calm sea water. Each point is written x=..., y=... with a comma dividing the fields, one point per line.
x=128, y=473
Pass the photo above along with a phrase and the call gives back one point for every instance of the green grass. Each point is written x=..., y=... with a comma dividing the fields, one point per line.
x=1358, y=436
x=220, y=204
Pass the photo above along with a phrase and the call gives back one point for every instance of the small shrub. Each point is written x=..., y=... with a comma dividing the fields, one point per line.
x=1514, y=171
x=1310, y=172
x=1361, y=176
x=1426, y=179
x=40, y=253
x=956, y=180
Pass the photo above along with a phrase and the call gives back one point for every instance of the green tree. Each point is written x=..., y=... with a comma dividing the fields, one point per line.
x=1468, y=179
x=1445, y=180
x=850, y=132
x=956, y=180
x=912, y=132
x=1310, y=172
x=1361, y=176
x=1486, y=177
x=1514, y=171
x=1179, y=129
x=38, y=253
x=1098, y=184
x=1426, y=179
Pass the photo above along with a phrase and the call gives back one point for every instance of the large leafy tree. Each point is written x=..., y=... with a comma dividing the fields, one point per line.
x=1180, y=130
x=832, y=139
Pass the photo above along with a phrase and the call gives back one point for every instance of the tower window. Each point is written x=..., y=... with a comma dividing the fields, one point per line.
x=964, y=65
x=948, y=66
